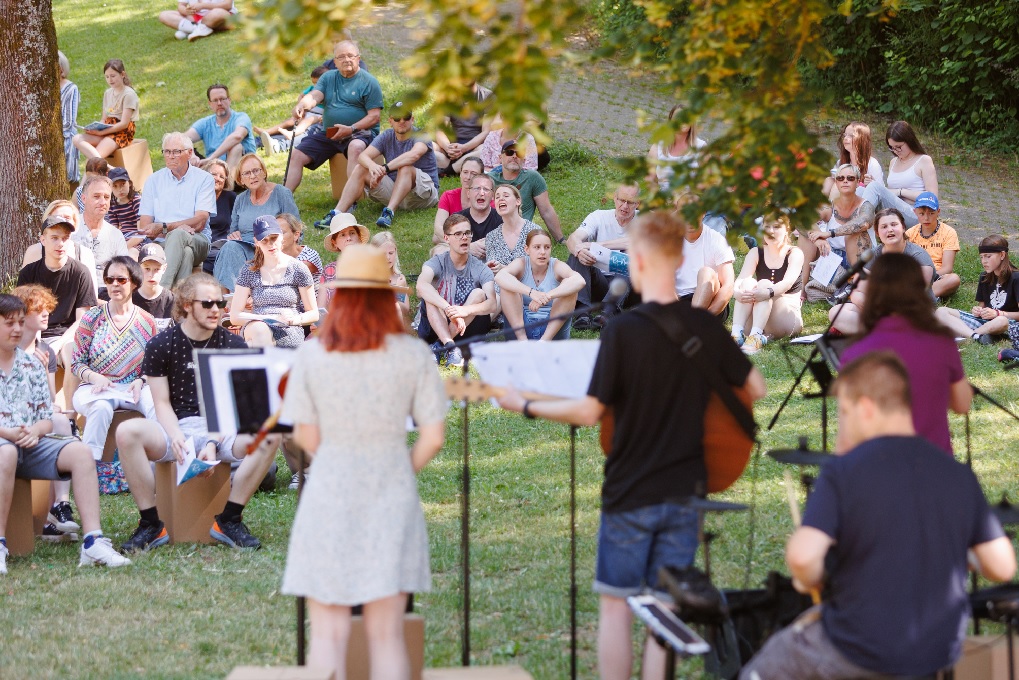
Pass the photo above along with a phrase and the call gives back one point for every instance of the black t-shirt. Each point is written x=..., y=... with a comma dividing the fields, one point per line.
x=903, y=515
x=170, y=355
x=72, y=286
x=659, y=400
x=220, y=222
x=160, y=307
x=479, y=230
x=996, y=296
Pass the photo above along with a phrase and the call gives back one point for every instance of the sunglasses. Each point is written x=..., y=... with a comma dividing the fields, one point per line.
x=209, y=304
x=402, y=120
x=119, y=280
x=509, y=152
x=847, y=178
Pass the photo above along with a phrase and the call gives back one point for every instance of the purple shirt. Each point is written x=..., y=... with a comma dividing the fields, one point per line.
x=934, y=366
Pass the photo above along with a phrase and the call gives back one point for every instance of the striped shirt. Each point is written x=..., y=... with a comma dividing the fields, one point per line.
x=114, y=353
x=124, y=216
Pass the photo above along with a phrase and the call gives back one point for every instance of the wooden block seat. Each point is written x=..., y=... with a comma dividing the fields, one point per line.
x=188, y=510
x=20, y=524
x=338, y=174
x=136, y=160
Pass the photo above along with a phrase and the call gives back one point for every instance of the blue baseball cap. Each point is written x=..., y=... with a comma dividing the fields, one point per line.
x=927, y=200
x=264, y=226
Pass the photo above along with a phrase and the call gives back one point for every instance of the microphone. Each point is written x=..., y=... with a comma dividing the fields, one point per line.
x=865, y=257
x=617, y=289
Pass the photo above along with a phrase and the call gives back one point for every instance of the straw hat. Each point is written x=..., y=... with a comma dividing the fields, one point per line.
x=363, y=266
x=340, y=222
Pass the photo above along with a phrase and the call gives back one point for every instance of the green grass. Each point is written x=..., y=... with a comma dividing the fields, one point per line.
x=197, y=611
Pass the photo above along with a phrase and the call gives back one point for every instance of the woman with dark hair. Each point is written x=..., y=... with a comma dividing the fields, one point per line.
x=363, y=477
x=120, y=113
x=109, y=346
x=997, y=308
x=898, y=315
x=910, y=173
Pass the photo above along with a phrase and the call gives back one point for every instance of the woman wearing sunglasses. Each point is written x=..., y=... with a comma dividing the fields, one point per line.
x=275, y=283
x=109, y=346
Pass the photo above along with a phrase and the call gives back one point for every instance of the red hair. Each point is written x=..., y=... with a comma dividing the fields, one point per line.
x=359, y=319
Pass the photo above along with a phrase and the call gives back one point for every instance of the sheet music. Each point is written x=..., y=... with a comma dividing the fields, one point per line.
x=611, y=261
x=825, y=267
x=115, y=391
x=560, y=369
x=219, y=410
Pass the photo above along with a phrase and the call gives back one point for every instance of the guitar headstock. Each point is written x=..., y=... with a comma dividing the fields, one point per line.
x=459, y=388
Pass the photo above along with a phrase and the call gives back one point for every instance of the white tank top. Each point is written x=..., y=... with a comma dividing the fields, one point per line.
x=907, y=179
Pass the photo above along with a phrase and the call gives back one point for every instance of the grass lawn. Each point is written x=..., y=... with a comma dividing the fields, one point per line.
x=197, y=611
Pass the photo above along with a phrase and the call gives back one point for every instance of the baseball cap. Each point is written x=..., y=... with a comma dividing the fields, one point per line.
x=119, y=174
x=399, y=110
x=927, y=200
x=151, y=251
x=57, y=221
x=264, y=226
x=511, y=144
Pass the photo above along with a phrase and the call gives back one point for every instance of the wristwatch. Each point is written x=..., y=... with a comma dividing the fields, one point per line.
x=164, y=228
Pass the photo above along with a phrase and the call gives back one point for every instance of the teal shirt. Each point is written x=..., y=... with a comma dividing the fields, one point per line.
x=529, y=183
x=212, y=134
x=348, y=100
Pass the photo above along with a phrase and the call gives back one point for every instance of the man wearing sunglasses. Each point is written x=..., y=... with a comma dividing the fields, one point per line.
x=170, y=371
x=406, y=179
x=532, y=187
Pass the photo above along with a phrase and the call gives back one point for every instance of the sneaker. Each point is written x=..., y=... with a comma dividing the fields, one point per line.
x=324, y=222
x=983, y=338
x=385, y=220
x=750, y=241
x=186, y=26
x=180, y=35
x=455, y=358
x=233, y=534
x=62, y=518
x=754, y=343
x=584, y=323
x=294, y=483
x=267, y=143
x=1008, y=355
x=51, y=534
x=102, y=553
x=146, y=537
x=438, y=351
x=201, y=31
x=739, y=338
x=3, y=559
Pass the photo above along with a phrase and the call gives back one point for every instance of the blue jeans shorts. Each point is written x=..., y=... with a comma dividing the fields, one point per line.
x=633, y=545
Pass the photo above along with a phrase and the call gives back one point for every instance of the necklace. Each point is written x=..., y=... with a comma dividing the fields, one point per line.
x=192, y=342
x=928, y=237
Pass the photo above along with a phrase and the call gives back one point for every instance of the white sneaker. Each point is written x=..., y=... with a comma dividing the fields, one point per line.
x=201, y=31
x=186, y=26
x=102, y=553
x=3, y=559
x=180, y=35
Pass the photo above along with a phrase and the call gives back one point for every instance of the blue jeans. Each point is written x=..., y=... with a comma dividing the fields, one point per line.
x=536, y=332
x=634, y=544
x=232, y=256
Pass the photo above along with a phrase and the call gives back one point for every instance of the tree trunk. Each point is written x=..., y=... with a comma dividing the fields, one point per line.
x=32, y=169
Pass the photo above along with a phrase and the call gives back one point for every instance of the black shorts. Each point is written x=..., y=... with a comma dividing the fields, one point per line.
x=687, y=300
x=319, y=148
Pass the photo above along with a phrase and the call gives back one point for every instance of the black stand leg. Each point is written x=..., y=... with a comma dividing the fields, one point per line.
x=465, y=539
x=573, y=552
x=1011, y=654
x=300, y=600
x=670, y=663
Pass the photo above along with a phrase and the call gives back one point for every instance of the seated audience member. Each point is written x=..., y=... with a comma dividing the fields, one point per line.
x=607, y=228
x=939, y=240
x=343, y=230
x=683, y=150
x=107, y=356
x=124, y=205
x=997, y=310
x=66, y=278
x=261, y=197
x=93, y=166
x=457, y=292
x=767, y=290
x=497, y=140
x=469, y=134
x=351, y=100
x=407, y=180
x=70, y=97
x=457, y=199
x=277, y=284
x=293, y=231
x=386, y=242
x=898, y=315
x=120, y=113
x=95, y=234
x=506, y=242
x=39, y=303
x=536, y=287
x=291, y=131
x=219, y=224
x=169, y=370
x=877, y=622
x=855, y=148
x=911, y=172
x=891, y=233
x=150, y=296
x=66, y=210
x=226, y=134
x=26, y=452
x=532, y=188
x=480, y=215
x=176, y=206
x=706, y=279
x=194, y=20
x=845, y=232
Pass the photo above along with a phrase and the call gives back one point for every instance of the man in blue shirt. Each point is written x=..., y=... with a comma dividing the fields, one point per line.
x=226, y=134
x=351, y=100
x=176, y=205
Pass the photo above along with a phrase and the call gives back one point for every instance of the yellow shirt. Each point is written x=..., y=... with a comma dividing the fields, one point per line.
x=944, y=238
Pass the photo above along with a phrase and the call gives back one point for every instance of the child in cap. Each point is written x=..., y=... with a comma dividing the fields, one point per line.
x=939, y=240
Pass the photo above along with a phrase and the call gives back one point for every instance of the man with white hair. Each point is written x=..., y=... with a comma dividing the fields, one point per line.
x=175, y=210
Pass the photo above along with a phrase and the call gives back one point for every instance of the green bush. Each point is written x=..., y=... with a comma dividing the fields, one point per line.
x=624, y=26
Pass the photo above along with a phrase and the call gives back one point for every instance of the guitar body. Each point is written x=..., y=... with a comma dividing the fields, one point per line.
x=726, y=446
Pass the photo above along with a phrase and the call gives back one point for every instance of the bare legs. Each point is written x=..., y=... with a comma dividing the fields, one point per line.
x=383, y=622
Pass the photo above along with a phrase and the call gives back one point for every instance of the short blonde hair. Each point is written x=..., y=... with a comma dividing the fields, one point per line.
x=220, y=163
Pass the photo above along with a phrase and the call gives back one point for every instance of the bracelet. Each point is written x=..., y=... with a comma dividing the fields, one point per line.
x=386, y=168
x=526, y=410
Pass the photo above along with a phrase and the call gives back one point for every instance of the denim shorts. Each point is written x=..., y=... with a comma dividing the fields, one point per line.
x=633, y=545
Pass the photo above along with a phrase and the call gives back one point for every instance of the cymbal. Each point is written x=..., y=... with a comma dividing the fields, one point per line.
x=1006, y=512
x=800, y=456
x=707, y=505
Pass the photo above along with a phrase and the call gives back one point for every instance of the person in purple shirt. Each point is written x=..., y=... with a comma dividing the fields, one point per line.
x=898, y=315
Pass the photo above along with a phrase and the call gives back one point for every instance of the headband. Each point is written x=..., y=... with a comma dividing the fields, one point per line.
x=993, y=249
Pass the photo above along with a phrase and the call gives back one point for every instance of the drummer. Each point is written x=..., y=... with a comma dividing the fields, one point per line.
x=895, y=526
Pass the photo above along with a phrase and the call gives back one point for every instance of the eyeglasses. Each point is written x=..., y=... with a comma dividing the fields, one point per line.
x=252, y=173
x=632, y=204
x=509, y=152
x=173, y=153
x=209, y=304
x=460, y=234
x=345, y=57
x=482, y=190
x=119, y=280
x=220, y=100
x=847, y=178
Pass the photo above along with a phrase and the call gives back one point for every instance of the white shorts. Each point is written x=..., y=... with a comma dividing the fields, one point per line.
x=194, y=426
x=424, y=194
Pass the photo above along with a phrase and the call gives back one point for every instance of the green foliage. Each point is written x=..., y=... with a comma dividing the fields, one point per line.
x=625, y=24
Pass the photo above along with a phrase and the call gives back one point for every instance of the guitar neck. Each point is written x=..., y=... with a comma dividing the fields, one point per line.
x=459, y=388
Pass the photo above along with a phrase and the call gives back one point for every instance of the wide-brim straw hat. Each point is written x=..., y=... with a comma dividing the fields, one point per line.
x=340, y=222
x=363, y=266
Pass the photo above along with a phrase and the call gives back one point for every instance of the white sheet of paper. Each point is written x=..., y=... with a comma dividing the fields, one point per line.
x=825, y=268
x=559, y=369
x=113, y=392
